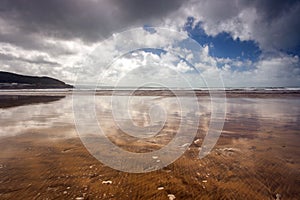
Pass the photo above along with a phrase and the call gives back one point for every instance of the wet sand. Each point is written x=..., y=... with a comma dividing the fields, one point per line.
x=256, y=157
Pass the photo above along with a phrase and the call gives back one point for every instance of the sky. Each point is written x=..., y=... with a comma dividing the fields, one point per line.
x=249, y=43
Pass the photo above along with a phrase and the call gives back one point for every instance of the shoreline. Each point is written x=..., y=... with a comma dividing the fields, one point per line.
x=168, y=93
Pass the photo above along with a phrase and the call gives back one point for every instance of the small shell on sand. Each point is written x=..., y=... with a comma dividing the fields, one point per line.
x=160, y=188
x=155, y=157
x=79, y=198
x=230, y=149
x=204, y=181
x=185, y=145
x=171, y=196
x=197, y=141
x=107, y=182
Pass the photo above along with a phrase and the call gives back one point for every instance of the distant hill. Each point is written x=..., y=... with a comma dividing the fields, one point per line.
x=16, y=81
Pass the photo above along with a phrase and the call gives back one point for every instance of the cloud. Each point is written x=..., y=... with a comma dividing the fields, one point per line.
x=140, y=66
x=53, y=37
x=274, y=25
x=88, y=20
x=280, y=71
x=283, y=70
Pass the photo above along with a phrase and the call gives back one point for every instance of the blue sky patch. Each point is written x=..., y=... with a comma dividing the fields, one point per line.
x=223, y=45
x=149, y=29
x=292, y=51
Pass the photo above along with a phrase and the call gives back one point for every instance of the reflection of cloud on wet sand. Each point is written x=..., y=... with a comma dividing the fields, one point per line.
x=49, y=112
x=256, y=155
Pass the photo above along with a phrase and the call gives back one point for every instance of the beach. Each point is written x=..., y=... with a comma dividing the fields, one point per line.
x=256, y=157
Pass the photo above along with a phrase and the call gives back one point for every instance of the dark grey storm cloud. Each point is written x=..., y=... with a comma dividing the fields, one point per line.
x=88, y=19
x=279, y=24
x=148, y=9
x=34, y=41
x=271, y=9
